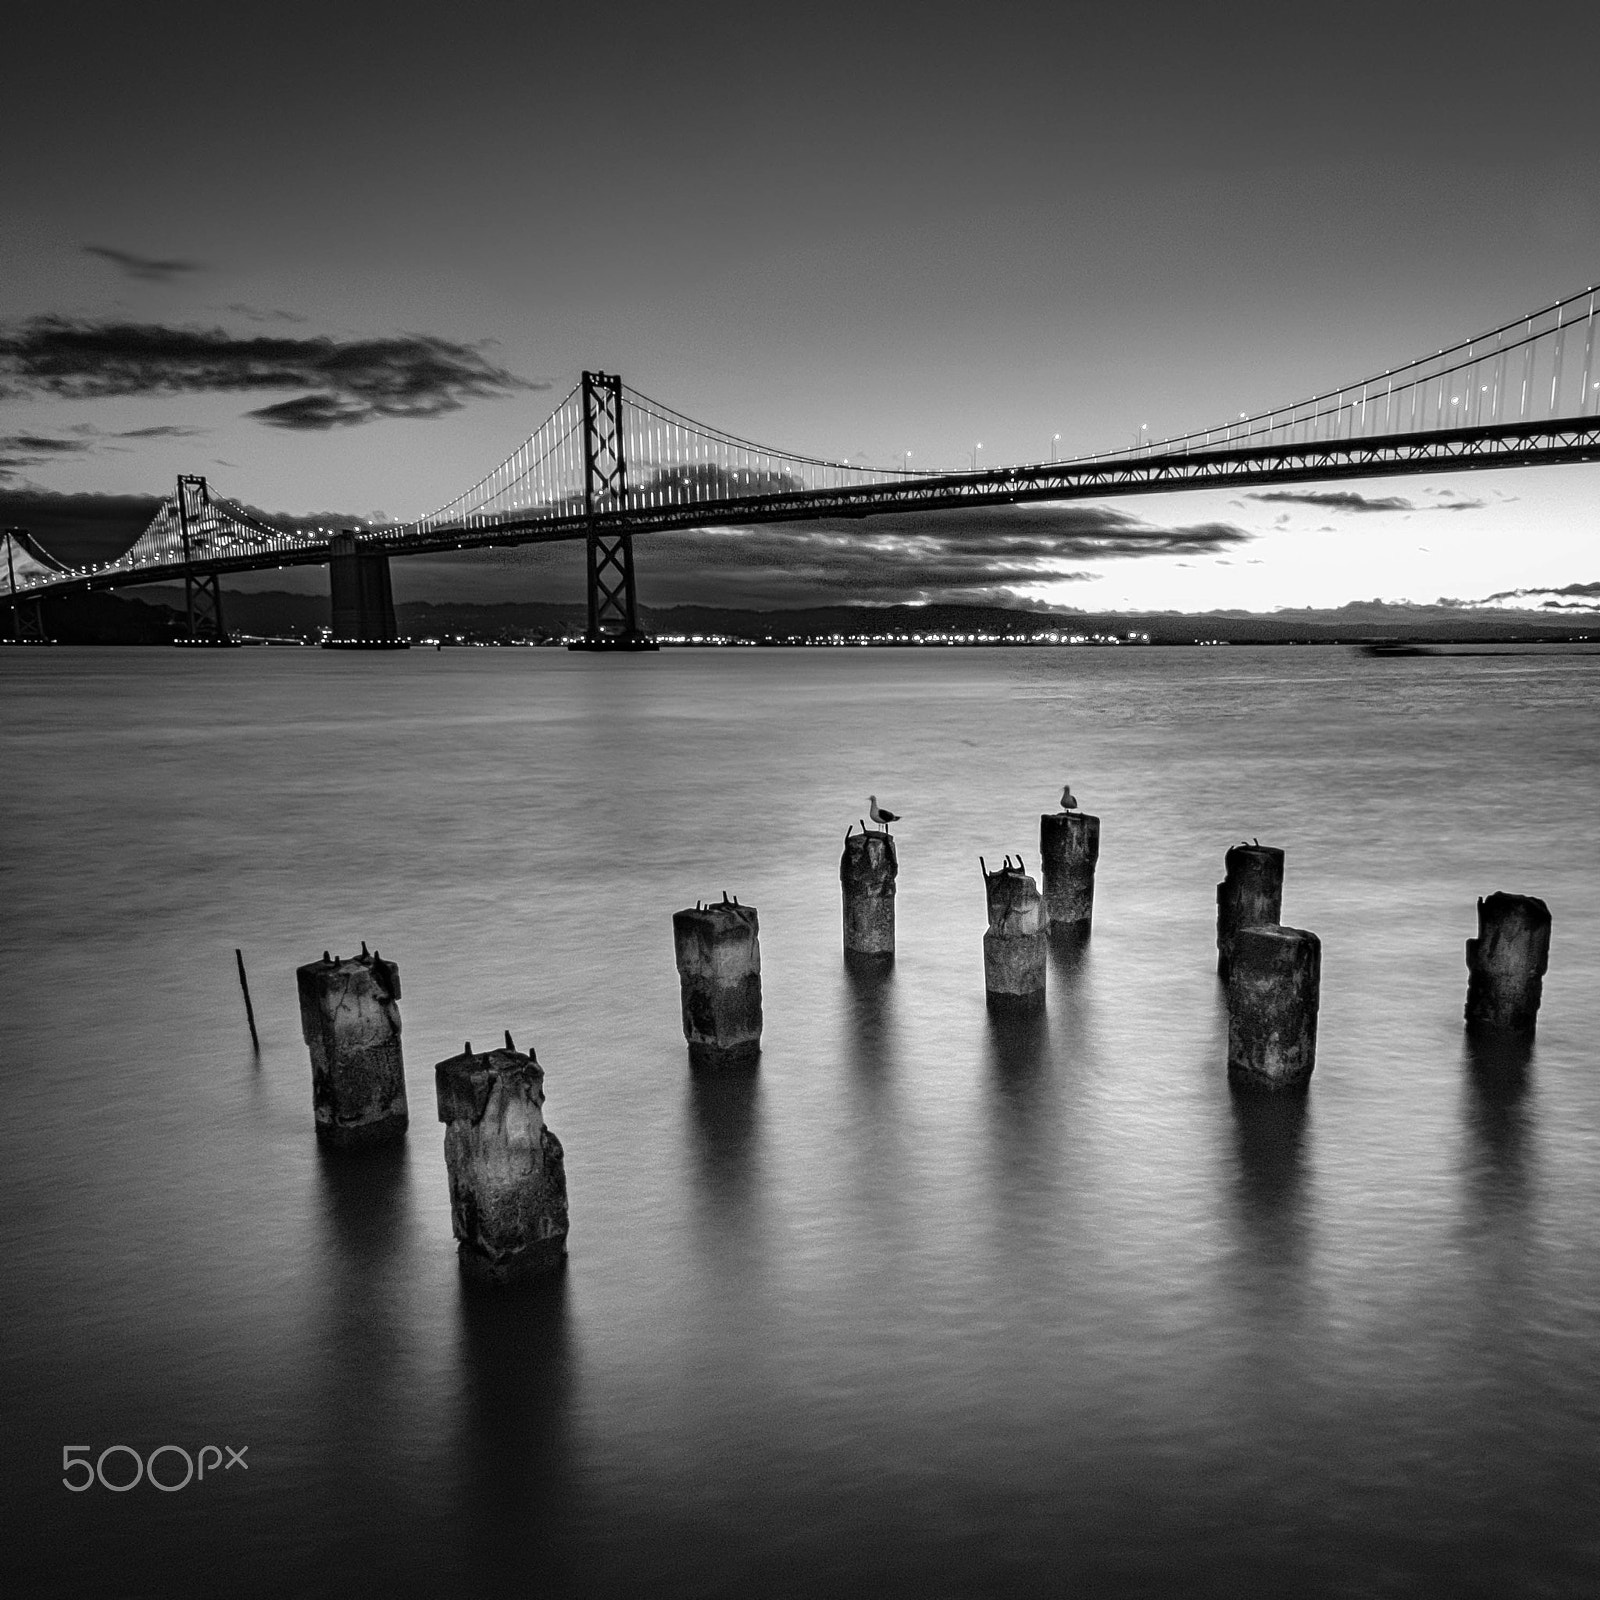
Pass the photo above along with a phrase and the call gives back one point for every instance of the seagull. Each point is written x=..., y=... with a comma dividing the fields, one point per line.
x=1068, y=800
x=879, y=815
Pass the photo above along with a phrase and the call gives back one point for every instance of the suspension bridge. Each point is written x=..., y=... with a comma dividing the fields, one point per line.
x=610, y=463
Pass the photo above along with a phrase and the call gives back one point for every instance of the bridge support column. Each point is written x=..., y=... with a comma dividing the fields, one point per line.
x=27, y=621
x=363, y=598
x=613, y=608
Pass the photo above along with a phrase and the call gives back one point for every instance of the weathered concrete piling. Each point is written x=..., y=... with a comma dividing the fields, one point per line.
x=867, y=872
x=1274, y=984
x=508, y=1180
x=719, y=970
x=351, y=1021
x=1506, y=964
x=1017, y=944
x=1249, y=896
x=1069, y=847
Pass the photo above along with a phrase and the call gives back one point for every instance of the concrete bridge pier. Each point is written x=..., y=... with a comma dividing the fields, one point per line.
x=363, y=598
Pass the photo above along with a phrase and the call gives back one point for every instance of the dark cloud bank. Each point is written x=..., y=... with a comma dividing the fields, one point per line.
x=974, y=556
x=344, y=382
x=980, y=555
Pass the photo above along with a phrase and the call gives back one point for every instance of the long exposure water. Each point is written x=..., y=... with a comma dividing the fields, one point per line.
x=926, y=1305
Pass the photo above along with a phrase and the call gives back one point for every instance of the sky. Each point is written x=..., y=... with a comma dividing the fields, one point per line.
x=342, y=260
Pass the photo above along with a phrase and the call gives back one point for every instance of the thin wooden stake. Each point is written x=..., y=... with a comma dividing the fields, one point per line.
x=249, y=1010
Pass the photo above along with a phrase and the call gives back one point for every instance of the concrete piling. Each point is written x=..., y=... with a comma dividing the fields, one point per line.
x=867, y=872
x=350, y=1019
x=1249, y=896
x=1274, y=984
x=1016, y=944
x=508, y=1182
x=1506, y=964
x=1069, y=847
x=719, y=970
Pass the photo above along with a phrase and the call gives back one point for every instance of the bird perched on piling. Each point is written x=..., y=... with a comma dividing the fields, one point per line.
x=1069, y=801
x=879, y=815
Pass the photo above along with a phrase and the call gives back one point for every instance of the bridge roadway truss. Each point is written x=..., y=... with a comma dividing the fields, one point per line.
x=1509, y=445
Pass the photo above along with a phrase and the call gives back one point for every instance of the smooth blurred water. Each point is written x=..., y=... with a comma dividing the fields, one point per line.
x=925, y=1306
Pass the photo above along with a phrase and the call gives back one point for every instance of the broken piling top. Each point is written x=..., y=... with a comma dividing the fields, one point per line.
x=867, y=871
x=719, y=974
x=869, y=864
x=1274, y=992
x=466, y=1083
x=507, y=1170
x=717, y=943
x=349, y=997
x=1069, y=847
x=1249, y=896
x=1015, y=906
x=1507, y=962
x=350, y=1019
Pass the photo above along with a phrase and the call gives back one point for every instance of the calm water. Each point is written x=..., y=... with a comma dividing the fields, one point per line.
x=925, y=1306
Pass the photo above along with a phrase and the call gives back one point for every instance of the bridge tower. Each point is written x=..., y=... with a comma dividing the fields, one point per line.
x=202, y=591
x=613, y=612
x=27, y=619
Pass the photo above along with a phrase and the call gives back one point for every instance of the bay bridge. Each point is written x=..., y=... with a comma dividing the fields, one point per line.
x=610, y=464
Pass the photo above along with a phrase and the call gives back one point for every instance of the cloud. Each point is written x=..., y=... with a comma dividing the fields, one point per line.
x=148, y=268
x=350, y=381
x=1336, y=500
x=313, y=413
x=257, y=314
x=1568, y=597
x=995, y=554
x=1349, y=500
x=22, y=450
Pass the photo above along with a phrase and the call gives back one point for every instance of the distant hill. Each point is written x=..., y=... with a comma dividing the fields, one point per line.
x=153, y=613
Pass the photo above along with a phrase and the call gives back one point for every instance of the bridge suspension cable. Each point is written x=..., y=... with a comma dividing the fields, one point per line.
x=1517, y=372
x=672, y=460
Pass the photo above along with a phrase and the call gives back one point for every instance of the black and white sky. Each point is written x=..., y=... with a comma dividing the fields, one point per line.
x=344, y=259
